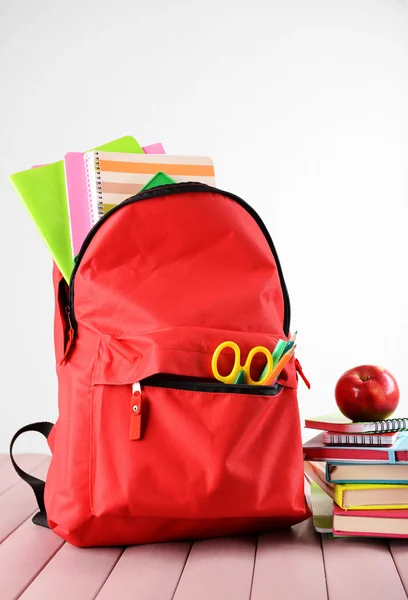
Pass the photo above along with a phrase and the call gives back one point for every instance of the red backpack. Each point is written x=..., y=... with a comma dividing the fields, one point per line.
x=149, y=446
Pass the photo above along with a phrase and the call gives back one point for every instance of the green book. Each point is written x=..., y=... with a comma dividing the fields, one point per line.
x=43, y=193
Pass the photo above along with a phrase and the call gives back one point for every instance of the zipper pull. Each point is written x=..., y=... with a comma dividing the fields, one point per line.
x=68, y=313
x=70, y=340
x=300, y=371
x=136, y=413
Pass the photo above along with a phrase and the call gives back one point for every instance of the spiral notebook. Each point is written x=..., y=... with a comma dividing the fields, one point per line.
x=315, y=450
x=360, y=439
x=98, y=181
x=112, y=177
x=338, y=423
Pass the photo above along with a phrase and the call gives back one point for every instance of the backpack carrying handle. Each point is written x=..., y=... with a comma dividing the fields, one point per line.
x=37, y=485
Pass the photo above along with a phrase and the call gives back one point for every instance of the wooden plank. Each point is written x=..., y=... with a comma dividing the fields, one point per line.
x=361, y=569
x=149, y=572
x=18, y=502
x=218, y=569
x=27, y=462
x=77, y=573
x=3, y=459
x=23, y=555
x=291, y=564
x=399, y=552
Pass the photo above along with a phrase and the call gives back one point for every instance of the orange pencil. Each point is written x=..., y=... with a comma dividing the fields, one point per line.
x=280, y=366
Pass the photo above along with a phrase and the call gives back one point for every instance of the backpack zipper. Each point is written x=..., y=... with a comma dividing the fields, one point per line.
x=190, y=384
x=176, y=188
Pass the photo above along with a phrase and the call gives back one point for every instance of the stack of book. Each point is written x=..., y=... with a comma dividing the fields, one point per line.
x=363, y=469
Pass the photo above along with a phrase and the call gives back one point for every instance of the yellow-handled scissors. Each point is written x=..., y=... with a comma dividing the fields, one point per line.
x=246, y=368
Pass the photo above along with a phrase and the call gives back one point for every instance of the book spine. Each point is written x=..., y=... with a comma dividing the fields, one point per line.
x=338, y=496
x=94, y=186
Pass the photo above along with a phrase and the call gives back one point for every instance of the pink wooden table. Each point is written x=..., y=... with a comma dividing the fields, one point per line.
x=36, y=564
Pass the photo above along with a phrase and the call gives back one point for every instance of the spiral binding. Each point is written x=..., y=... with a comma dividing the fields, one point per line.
x=356, y=439
x=400, y=424
x=94, y=186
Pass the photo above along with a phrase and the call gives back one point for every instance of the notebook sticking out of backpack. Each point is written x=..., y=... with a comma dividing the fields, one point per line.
x=43, y=193
x=112, y=177
x=82, y=201
x=96, y=182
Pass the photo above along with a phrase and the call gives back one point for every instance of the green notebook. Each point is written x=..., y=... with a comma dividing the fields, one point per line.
x=322, y=508
x=43, y=192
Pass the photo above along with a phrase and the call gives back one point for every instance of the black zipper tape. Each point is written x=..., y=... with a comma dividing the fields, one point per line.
x=192, y=384
x=168, y=190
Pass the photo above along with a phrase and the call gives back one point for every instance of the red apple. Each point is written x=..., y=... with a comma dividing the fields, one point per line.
x=367, y=393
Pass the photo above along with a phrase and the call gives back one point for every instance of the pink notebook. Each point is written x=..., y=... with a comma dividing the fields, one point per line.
x=79, y=221
x=154, y=149
x=75, y=176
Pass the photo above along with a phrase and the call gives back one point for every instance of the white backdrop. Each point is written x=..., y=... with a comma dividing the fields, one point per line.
x=301, y=105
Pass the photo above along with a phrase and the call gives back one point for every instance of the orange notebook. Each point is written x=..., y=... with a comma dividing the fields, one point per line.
x=115, y=176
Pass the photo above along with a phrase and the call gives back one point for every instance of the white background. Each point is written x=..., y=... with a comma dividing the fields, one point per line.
x=303, y=106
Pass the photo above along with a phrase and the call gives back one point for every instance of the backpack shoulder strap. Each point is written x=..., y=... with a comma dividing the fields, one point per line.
x=37, y=485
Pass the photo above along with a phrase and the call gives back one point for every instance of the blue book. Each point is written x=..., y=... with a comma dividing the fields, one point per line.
x=367, y=472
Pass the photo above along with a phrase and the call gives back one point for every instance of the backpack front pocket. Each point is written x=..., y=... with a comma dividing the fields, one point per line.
x=205, y=450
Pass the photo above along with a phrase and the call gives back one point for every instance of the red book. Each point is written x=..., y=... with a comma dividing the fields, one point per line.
x=372, y=523
x=337, y=422
x=316, y=450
